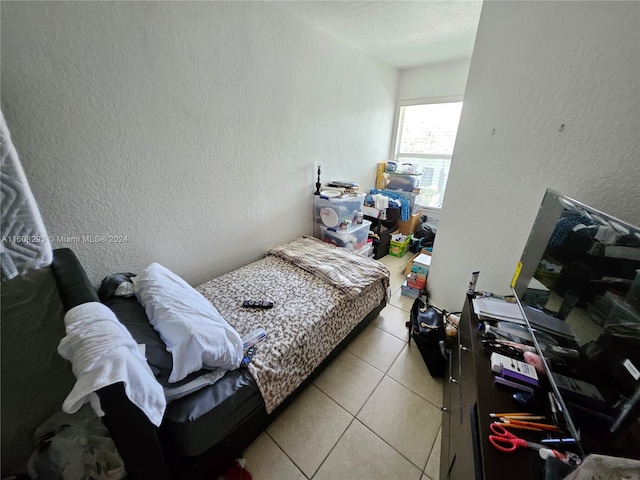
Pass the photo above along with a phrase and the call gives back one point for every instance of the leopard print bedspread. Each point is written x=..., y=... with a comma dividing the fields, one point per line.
x=308, y=320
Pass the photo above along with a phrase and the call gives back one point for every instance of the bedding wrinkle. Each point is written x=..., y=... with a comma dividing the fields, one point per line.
x=344, y=270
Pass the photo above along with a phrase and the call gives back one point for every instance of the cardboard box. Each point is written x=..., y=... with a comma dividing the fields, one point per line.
x=417, y=275
x=407, y=291
x=415, y=282
x=381, y=181
x=419, y=267
x=411, y=225
x=398, y=249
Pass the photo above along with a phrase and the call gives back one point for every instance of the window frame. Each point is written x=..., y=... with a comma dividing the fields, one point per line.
x=394, y=143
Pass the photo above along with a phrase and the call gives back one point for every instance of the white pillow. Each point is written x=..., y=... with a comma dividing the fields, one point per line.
x=195, y=333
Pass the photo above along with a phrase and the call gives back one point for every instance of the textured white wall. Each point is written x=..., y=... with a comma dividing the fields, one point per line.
x=445, y=79
x=535, y=67
x=192, y=128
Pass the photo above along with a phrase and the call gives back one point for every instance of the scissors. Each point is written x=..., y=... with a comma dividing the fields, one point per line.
x=506, y=441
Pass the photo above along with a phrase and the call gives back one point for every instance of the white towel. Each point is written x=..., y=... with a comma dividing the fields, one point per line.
x=102, y=352
x=381, y=201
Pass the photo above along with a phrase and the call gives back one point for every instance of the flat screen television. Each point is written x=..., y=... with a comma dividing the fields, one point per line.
x=578, y=286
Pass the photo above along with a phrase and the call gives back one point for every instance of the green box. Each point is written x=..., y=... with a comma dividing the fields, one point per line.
x=398, y=249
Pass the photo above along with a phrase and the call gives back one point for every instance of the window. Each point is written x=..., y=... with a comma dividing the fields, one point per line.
x=426, y=135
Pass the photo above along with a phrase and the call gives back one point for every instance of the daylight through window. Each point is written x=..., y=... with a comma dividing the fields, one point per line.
x=426, y=136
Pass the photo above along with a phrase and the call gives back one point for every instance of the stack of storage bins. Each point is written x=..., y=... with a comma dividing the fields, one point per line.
x=338, y=219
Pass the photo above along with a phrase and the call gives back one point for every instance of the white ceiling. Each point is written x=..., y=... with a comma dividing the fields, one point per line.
x=397, y=32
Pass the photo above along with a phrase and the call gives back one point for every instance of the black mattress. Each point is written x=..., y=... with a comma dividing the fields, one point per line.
x=201, y=419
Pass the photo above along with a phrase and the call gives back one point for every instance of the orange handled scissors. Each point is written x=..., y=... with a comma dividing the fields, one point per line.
x=506, y=441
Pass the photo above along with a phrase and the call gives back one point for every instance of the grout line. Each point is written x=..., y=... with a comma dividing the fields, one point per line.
x=291, y=459
x=394, y=358
x=370, y=395
x=439, y=428
x=287, y=455
x=393, y=448
x=439, y=434
x=334, y=445
x=411, y=389
x=354, y=416
x=433, y=446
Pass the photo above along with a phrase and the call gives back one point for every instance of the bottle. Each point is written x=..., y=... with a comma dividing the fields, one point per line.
x=471, y=289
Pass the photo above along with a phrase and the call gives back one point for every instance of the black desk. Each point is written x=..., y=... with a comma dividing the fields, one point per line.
x=469, y=396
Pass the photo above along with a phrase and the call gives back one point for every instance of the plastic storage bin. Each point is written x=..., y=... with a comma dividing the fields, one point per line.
x=353, y=239
x=366, y=251
x=332, y=211
x=405, y=182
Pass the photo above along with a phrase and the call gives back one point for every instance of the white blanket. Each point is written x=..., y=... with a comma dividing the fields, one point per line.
x=102, y=352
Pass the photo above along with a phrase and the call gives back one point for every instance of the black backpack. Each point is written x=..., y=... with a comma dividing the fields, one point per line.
x=427, y=328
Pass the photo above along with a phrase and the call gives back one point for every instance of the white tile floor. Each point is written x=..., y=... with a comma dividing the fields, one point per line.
x=372, y=414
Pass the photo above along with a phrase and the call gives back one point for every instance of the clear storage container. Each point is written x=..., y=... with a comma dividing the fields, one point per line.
x=353, y=239
x=332, y=211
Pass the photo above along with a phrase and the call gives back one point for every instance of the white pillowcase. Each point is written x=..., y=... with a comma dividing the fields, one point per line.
x=193, y=330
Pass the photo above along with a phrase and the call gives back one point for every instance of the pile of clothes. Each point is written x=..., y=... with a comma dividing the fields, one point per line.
x=383, y=199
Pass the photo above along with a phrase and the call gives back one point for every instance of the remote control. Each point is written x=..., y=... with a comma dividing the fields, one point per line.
x=257, y=304
x=247, y=357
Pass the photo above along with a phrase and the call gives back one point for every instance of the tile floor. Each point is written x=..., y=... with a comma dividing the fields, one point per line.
x=372, y=414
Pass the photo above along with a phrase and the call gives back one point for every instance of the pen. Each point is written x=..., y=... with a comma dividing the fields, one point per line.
x=558, y=440
x=520, y=414
x=520, y=427
x=543, y=426
x=520, y=417
x=554, y=414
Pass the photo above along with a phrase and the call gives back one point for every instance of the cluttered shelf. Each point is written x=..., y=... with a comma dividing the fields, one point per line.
x=496, y=366
x=473, y=401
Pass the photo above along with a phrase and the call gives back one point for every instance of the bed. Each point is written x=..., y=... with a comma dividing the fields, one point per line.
x=323, y=296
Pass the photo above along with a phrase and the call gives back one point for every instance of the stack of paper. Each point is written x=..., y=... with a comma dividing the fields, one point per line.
x=492, y=309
